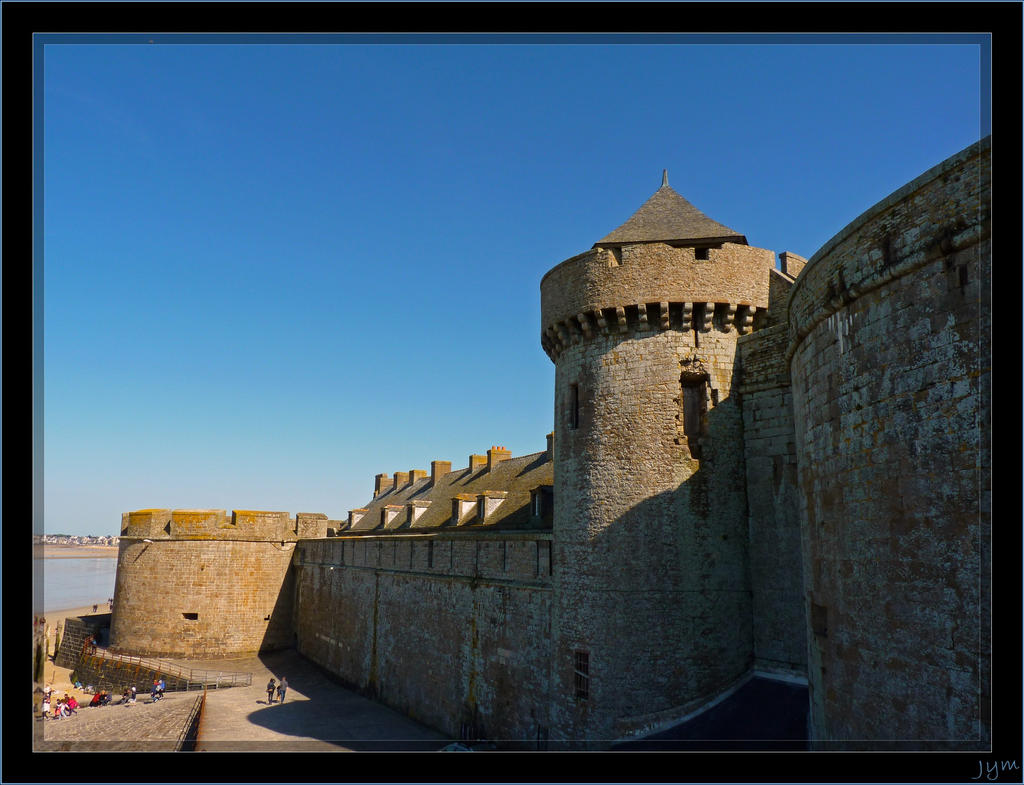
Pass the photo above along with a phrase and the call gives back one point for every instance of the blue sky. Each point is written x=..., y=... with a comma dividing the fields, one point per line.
x=271, y=271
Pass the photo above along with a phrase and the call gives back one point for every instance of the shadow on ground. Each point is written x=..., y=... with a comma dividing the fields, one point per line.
x=317, y=707
x=763, y=714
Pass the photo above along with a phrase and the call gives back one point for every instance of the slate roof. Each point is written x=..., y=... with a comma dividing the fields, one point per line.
x=516, y=476
x=668, y=217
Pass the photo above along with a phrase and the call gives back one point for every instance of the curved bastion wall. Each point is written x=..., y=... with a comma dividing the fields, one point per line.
x=201, y=584
x=890, y=367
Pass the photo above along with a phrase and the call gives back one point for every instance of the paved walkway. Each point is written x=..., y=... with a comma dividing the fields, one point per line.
x=317, y=714
x=140, y=726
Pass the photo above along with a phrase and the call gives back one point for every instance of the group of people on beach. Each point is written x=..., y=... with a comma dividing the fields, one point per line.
x=62, y=707
x=281, y=688
x=68, y=705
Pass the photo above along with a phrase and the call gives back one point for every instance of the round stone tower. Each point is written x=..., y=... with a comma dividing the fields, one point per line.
x=653, y=612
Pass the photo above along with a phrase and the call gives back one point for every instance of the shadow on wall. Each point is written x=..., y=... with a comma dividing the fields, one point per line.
x=280, y=624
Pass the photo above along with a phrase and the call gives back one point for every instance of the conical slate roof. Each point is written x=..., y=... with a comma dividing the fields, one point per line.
x=668, y=217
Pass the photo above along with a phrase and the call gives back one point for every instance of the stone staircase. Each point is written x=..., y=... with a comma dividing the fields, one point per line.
x=141, y=726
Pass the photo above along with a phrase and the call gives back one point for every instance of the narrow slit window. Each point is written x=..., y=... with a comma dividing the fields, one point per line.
x=693, y=406
x=581, y=674
x=574, y=406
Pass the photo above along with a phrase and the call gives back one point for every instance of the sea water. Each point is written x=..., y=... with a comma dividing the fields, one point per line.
x=74, y=583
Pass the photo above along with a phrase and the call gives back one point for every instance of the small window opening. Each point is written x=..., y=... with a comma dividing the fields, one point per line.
x=581, y=674
x=481, y=510
x=191, y=616
x=700, y=253
x=819, y=620
x=574, y=406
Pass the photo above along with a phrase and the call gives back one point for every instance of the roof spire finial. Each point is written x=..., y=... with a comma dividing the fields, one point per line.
x=664, y=177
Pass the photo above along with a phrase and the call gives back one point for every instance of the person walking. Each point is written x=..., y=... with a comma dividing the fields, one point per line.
x=282, y=688
x=270, y=691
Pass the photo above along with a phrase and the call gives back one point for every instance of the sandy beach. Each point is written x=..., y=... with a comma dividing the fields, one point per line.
x=49, y=551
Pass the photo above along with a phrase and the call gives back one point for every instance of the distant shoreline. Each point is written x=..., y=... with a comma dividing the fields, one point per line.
x=48, y=551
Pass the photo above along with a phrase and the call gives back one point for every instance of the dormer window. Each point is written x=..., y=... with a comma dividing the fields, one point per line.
x=540, y=501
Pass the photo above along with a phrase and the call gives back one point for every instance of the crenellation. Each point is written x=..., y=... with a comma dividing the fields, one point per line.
x=146, y=523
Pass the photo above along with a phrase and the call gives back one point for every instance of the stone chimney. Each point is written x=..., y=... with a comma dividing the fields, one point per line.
x=401, y=479
x=438, y=469
x=551, y=444
x=416, y=474
x=791, y=263
x=496, y=455
x=476, y=461
x=380, y=483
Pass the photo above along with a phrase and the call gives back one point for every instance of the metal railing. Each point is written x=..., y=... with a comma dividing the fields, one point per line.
x=191, y=677
x=188, y=740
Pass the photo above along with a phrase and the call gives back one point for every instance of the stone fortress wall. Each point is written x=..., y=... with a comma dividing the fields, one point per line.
x=890, y=369
x=452, y=629
x=752, y=469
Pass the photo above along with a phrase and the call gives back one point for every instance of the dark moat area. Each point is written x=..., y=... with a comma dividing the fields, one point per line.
x=763, y=714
